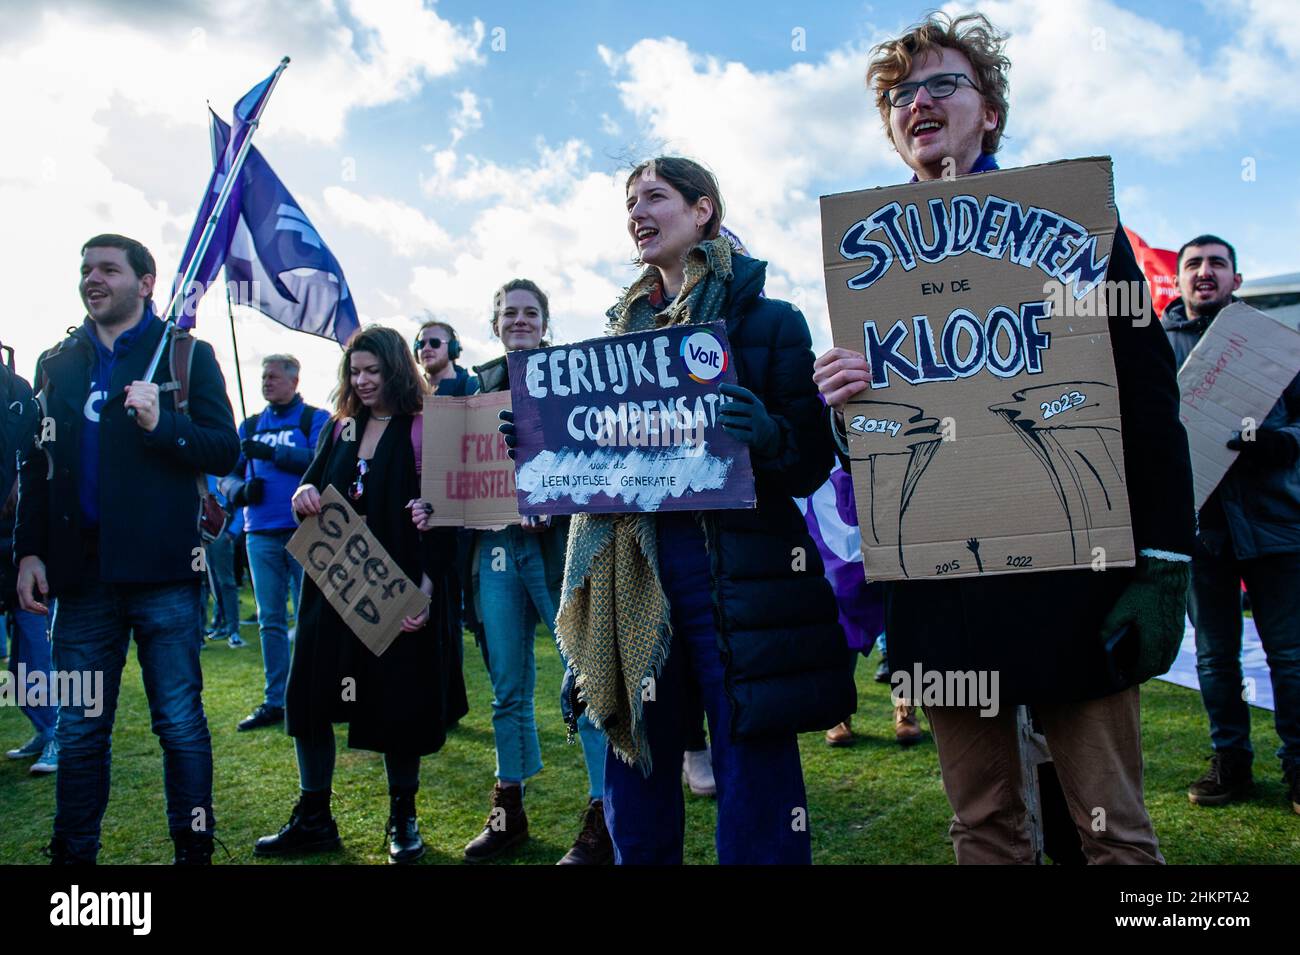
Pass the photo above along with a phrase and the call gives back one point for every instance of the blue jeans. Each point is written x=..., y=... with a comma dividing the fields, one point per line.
x=514, y=597
x=91, y=632
x=31, y=651
x=1214, y=603
x=762, y=806
x=276, y=578
x=221, y=581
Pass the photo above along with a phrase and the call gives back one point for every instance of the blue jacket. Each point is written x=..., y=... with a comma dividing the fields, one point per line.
x=282, y=429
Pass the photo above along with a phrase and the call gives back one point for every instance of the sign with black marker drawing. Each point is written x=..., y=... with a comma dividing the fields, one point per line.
x=988, y=441
x=627, y=423
x=362, y=583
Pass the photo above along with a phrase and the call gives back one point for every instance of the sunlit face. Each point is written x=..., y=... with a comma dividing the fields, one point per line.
x=929, y=130
x=110, y=289
x=434, y=360
x=519, y=323
x=278, y=386
x=366, y=375
x=662, y=224
x=1206, y=280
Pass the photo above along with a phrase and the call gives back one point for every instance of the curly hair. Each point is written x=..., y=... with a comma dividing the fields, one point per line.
x=404, y=384
x=970, y=34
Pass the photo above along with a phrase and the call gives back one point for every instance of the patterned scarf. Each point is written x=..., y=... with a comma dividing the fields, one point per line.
x=613, y=625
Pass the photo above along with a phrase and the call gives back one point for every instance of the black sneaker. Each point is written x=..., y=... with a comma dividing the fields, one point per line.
x=262, y=716
x=308, y=830
x=1227, y=780
x=882, y=672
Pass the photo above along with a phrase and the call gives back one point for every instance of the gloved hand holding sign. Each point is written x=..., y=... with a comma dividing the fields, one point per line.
x=746, y=420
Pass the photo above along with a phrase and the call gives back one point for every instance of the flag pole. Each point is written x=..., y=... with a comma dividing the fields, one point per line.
x=234, y=343
x=201, y=249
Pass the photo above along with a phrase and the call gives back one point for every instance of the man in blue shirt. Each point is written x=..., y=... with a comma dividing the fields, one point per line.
x=275, y=449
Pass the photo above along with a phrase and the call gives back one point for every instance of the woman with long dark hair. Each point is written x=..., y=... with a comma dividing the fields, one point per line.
x=731, y=604
x=391, y=703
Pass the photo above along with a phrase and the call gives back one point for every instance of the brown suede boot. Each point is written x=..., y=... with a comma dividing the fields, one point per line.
x=506, y=826
x=907, y=728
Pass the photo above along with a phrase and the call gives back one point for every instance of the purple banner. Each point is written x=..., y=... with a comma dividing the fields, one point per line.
x=629, y=423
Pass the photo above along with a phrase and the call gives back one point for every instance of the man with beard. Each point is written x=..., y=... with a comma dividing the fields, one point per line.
x=108, y=526
x=436, y=351
x=1249, y=530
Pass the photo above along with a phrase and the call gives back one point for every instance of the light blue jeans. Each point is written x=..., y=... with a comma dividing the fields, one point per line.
x=514, y=597
x=276, y=578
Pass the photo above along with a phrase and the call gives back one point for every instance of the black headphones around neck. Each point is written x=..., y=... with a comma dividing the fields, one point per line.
x=453, y=343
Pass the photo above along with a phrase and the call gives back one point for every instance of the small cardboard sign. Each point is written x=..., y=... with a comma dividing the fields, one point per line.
x=628, y=423
x=989, y=439
x=1233, y=376
x=360, y=580
x=466, y=473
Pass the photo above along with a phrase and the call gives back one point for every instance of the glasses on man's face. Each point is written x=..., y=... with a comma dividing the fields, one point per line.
x=939, y=86
x=358, y=486
x=434, y=343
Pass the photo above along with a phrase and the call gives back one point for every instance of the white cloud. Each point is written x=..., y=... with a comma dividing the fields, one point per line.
x=467, y=117
x=86, y=75
x=406, y=230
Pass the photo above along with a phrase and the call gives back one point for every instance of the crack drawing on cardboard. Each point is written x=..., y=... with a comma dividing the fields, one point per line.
x=1058, y=445
x=920, y=443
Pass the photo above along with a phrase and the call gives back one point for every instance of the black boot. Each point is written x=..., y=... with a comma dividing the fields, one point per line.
x=310, y=828
x=59, y=854
x=404, y=842
x=1228, y=779
x=593, y=845
x=192, y=848
x=506, y=825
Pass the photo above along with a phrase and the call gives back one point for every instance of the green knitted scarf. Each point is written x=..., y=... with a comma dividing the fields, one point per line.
x=613, y=625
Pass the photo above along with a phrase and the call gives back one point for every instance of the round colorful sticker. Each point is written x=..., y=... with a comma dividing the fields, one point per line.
x=704, y=355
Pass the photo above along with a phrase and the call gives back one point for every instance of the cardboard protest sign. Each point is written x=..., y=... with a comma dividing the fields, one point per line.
x=466, y=473
x=1233, y=377
x=628, y=423
x=361, y=582
x=989, y=439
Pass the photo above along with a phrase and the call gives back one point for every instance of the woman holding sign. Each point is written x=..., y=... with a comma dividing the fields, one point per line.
x=516, y=574
x=392, y=702
x=729, y=603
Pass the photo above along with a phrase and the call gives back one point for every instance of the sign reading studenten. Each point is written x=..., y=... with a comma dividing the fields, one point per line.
x=628, y=423
x=363, y=584
x=989, y=439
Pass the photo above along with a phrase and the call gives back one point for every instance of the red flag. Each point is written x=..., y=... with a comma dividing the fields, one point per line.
x=1160, y=266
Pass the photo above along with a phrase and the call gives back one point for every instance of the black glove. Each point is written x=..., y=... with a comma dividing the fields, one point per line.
x=745, y=419
x=257, y=450
x=1271, y=448
x=507, y=427
x=1144, y=629
x=254, y=491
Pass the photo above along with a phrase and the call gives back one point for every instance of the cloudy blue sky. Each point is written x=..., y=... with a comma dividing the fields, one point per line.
x=443, y=148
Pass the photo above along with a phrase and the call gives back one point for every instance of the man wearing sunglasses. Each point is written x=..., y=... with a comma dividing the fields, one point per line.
x=436, y=350
x=1056, y=640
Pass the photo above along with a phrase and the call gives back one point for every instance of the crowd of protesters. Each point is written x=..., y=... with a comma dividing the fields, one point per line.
x=707, y=603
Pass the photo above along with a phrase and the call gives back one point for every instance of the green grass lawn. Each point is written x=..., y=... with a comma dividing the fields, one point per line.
x=873, y=802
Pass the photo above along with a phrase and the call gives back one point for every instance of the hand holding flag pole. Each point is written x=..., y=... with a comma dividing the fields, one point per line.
x=248, y=114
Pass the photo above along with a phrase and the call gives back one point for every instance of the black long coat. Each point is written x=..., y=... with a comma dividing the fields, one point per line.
x=1041, y=632
x=395, y=702
x=784, y=652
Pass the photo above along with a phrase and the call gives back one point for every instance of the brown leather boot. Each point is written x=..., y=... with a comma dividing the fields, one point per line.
x=506, y=826
x=593, y=845
x=907, y=728
x=840, y=735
